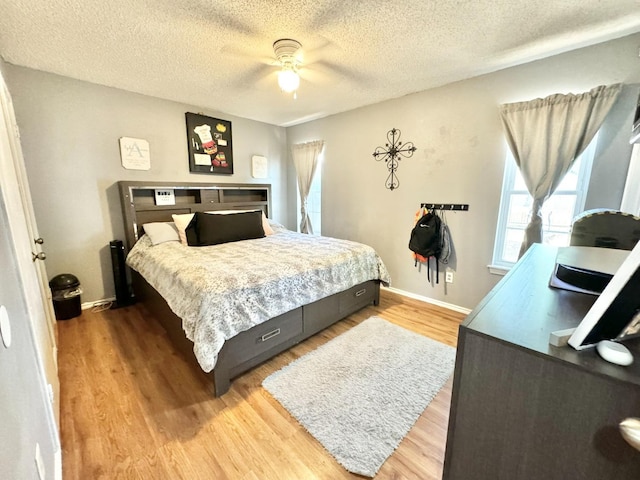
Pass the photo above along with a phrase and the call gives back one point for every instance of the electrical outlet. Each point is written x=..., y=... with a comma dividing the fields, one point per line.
x=448, y=277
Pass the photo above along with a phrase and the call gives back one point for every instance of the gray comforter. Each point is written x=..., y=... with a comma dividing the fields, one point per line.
x=222, y=290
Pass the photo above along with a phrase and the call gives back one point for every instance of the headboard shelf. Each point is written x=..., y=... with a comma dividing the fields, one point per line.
x=139, y=204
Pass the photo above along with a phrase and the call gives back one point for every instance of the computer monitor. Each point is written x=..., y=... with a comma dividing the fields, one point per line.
x=616, y=312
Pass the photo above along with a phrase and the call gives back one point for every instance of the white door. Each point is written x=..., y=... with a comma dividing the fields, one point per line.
x=28, y=246
x=29, y=440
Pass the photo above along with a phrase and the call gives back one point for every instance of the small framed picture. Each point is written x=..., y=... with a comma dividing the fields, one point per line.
x=259, y=167
x=210, y=145
x=165, y=197
x=134, y=153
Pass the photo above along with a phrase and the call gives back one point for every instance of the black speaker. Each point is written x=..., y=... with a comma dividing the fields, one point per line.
x=123, y=295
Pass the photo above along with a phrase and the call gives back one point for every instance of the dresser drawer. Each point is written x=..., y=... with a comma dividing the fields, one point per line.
x=266, y=336
x=357, y=297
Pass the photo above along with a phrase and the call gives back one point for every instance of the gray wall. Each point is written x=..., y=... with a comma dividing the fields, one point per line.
x=70, y=131
x=460, y=159
x=69, y=135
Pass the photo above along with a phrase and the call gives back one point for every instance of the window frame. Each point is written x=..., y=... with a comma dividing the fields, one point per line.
x=508, y=189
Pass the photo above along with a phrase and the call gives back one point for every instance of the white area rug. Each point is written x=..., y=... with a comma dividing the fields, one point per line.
x=360, y=393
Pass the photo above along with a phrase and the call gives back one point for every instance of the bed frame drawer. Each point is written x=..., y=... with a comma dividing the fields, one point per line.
x=321, y=314
x=267, y=336
x=357, y=297
x=327, y=311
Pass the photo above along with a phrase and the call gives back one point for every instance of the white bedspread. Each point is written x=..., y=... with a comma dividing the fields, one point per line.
x=222, y=290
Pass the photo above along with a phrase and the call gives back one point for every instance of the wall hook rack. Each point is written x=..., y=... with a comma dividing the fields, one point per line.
x=458, y=207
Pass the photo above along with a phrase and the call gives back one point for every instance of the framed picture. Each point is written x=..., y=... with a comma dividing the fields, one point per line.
x=210, y=145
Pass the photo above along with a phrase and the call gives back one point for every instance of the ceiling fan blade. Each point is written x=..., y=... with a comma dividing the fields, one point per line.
x=232, y=50
x=334, y=70
x=259, y=73
x=330, y=13
x=205, y=11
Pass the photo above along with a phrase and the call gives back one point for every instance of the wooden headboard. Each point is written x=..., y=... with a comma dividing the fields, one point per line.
x=139, y=203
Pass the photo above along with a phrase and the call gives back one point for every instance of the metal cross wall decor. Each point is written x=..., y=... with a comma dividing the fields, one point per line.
x=391, y=153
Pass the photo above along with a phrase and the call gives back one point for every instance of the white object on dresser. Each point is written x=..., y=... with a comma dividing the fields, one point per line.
x=630, y=430
x=614, y=352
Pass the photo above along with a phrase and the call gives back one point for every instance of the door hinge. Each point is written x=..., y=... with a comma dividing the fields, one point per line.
x=16, y=131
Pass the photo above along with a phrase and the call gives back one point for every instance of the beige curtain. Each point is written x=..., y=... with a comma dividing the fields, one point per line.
x=546, y=135
x=305, y=159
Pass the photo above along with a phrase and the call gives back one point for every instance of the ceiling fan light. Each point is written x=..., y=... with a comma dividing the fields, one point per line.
x=288, y=80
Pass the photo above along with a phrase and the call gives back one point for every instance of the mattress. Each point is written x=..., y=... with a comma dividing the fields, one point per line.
x=221, y=290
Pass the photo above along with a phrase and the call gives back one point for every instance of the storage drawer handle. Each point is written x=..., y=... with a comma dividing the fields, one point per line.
x=269, y=335
x=361, y=292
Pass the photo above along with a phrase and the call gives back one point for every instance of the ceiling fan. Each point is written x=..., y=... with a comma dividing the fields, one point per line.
x=289, y=55
x=290, y=69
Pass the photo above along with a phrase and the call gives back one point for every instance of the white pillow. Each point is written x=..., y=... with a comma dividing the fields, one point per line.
x=277, y=227
x=160, y=232
x=182, y=222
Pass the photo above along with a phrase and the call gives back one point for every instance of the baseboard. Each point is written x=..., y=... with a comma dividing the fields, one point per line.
x=432, y=301
x=97, y=303
x=450, y=306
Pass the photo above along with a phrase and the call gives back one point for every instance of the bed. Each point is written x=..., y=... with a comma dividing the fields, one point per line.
x=230, y=306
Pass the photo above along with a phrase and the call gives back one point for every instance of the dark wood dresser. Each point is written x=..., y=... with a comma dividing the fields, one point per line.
x=524, y=409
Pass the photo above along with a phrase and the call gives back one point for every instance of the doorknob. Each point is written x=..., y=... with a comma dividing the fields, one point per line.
x=630, y=430
x=38, y=256
x=39, y=240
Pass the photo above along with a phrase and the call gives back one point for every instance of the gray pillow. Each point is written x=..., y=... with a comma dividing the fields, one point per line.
x=160, y=232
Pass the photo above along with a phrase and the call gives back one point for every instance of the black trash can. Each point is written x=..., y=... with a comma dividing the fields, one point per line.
x=65, y=293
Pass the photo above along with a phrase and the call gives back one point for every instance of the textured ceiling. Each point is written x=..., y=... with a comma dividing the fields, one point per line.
x=219, y=55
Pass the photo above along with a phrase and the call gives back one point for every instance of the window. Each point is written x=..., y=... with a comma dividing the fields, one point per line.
x=314, y=201
x=557, y=213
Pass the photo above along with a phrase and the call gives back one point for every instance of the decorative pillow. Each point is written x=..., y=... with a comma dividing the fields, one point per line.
x=181, y=221
x=160, y=232
x=206, y=229
x=265, y=222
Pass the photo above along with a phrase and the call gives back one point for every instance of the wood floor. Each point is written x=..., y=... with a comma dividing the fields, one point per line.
x=132, y=408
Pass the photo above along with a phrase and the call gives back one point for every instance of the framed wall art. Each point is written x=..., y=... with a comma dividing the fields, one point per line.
x=134, y=153
x=210, y=145
x=259, y=167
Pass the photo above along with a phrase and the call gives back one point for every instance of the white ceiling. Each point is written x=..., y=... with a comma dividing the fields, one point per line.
x=217, y=55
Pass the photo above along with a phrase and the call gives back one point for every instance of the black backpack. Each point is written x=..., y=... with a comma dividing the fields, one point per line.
x=426, y=240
